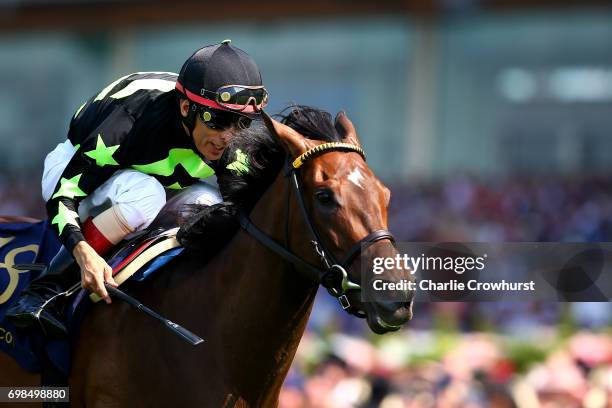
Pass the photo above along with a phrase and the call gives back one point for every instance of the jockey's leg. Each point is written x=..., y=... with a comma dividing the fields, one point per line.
x=135, y=200
x=128, y=202
x=200, y=194
x=106, y=230
x=204, y=194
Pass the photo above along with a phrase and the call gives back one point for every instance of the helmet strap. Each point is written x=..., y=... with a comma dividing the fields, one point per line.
x=190, y=120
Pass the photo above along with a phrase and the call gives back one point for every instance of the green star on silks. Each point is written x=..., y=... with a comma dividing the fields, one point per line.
x=176, y=186
x=241, y=164
x=64, y=216
x=69, y=188
x=103, y=154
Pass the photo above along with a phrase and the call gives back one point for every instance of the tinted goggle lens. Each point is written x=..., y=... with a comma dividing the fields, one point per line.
x=222, y=120
x=242, y=98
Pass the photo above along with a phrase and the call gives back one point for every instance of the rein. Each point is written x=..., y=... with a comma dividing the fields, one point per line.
x=333, y=276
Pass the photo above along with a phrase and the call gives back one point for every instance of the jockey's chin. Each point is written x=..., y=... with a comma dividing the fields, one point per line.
x=212, y=151
x=210, y=142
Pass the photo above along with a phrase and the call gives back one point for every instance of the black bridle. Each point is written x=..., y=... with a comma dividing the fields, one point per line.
x=333, y=275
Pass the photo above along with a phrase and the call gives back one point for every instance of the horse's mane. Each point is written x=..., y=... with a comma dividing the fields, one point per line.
x=216, y=224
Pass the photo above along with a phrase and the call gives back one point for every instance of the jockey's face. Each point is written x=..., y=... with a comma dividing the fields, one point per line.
x=211, y=143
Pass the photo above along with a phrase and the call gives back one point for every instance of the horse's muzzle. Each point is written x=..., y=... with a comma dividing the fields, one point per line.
x=383, y=317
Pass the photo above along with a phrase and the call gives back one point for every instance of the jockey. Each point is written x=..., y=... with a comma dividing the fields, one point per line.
x=142, y=134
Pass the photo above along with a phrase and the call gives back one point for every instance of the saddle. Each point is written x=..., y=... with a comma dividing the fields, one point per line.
x=142, y=256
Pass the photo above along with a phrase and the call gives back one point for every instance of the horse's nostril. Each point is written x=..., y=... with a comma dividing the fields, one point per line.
x=403, y=304
x=393, y=306
x=393, y=314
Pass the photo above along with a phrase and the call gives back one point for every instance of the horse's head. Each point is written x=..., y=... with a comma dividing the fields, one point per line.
x=346, y=203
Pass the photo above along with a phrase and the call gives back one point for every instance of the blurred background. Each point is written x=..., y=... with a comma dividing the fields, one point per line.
x=490, y=120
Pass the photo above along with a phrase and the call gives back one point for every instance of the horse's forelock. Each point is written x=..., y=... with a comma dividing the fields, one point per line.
x=311, y=122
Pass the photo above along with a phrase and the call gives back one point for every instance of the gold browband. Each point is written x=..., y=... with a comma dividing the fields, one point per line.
x=297, y=163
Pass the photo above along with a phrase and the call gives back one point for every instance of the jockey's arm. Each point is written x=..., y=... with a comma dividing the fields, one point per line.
x=96, y=159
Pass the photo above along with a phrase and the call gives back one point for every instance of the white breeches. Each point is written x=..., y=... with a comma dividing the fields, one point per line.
x=140, y=197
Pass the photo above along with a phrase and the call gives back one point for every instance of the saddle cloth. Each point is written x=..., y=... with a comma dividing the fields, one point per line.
x=21, y=242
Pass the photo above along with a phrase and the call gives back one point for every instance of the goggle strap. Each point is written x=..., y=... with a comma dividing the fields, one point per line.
x=197, y=98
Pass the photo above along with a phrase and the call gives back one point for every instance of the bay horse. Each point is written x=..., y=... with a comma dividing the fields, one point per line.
x=249, y=304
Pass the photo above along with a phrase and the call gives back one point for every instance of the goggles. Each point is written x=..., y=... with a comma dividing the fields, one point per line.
x=221, y=120
x=242, y=98
x=237, y=98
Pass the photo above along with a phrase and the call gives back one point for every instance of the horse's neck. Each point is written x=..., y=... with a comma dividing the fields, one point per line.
x=262, y=303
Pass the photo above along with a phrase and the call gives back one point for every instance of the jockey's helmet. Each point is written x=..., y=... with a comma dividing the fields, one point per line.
x=223, y=78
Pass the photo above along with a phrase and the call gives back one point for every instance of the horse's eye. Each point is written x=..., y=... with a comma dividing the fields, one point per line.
x=325, y=196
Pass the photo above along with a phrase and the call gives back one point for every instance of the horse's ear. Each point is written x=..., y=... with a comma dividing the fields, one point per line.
x=346, y=129
x=292, y=140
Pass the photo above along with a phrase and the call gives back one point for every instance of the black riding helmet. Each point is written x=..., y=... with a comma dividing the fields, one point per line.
x=221, y=78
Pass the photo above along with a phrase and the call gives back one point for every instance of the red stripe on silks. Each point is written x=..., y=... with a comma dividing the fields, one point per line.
x=210, y=103
x=95, y=238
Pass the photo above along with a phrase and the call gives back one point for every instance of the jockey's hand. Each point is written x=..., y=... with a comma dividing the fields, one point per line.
x=94, y=270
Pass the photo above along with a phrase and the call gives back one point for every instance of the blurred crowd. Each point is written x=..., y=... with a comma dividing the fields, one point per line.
x=534, y=208
x=427, y=369
x=20, y=195
x=500, y=354
x=460, y=208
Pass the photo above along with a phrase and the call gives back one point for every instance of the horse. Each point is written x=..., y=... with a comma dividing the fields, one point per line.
x=249, y=303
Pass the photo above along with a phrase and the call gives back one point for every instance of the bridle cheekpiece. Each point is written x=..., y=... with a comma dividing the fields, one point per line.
x=333, y=276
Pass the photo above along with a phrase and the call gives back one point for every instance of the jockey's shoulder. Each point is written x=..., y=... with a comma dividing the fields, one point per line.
x=139, y=94
x=138, y=86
